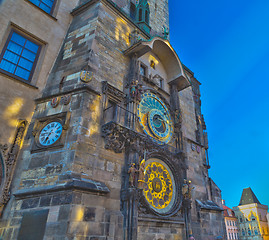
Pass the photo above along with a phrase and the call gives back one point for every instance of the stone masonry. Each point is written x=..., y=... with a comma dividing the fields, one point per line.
x=78, y=188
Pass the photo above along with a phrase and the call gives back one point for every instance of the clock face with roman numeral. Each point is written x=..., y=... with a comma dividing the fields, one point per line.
x=50, y=134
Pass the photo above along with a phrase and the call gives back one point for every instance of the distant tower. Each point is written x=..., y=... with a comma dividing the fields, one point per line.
x=252, y=217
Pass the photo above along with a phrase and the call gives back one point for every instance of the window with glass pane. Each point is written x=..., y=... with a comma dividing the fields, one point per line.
x=19, y=56
x=46, y=5
x=142, y=70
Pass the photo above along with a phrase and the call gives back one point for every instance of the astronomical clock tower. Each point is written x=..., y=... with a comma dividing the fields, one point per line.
x=117, y=145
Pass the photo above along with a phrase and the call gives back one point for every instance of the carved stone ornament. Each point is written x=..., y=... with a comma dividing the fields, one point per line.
x=55, y=102
x=9, y=161
x=117, y=137
x=66, y=99
x=112, y=92
x=165, y=32
x=86, y=76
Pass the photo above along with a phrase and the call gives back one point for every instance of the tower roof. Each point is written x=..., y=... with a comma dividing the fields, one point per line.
x=248, y=197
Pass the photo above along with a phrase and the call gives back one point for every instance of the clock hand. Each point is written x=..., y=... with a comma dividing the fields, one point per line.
x=48, y=136
x=161, y=119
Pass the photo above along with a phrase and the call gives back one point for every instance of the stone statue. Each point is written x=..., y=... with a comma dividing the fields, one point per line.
x=186, y=189
x=133, y=89
x=141, y=174
x=132, y=171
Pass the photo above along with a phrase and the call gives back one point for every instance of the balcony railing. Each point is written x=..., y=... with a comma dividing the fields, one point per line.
x=120, y=115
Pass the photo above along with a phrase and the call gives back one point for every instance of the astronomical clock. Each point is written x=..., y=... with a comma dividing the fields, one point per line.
x=155, y=118
x=161, y=185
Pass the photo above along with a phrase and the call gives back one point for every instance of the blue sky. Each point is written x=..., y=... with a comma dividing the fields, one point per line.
x=226, y=45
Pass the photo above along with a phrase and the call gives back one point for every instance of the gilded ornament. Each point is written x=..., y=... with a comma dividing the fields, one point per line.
x=158, y=189
x=141, y=174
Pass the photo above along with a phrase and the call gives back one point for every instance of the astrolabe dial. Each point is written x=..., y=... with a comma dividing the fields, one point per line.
x=50, y=133
x=159, y=186
x=155, y=118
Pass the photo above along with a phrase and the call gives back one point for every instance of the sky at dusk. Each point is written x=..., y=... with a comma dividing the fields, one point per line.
x=226, y=45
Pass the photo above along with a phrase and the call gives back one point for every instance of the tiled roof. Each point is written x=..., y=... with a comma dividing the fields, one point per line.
x=228, y=212
x=248, y=197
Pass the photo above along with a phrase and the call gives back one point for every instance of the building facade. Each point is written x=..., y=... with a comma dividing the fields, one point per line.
x=252, y=217
x=30, y=40
x=230, y=222
x=109, y=140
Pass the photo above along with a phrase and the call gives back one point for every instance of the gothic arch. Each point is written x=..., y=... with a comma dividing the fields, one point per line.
x=165, y=52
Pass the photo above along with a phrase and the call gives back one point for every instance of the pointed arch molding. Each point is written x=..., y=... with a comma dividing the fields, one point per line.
x=167, y=55
x=8, y=157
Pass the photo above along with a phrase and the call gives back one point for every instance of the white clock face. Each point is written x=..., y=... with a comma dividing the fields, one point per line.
x=50, y=133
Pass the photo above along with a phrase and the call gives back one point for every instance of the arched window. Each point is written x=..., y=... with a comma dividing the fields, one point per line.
x=243, y=232
x=249, y=232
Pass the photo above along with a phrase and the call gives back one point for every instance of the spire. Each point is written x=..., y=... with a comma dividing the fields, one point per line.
x=248, y=197
x=142, y=15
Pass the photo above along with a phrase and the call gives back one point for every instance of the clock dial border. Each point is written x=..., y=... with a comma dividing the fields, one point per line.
x=44, y=126
x=176, y=174
x=164, y=177
x=40, y=123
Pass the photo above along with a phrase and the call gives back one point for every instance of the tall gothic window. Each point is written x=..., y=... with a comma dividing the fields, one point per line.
x=147, y=17
x=132, y=11
x=140, y=15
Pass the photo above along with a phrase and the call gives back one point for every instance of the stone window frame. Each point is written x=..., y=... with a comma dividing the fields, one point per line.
x=8, y=41
x=44, y=2
x=141, y=64
x=53, y=11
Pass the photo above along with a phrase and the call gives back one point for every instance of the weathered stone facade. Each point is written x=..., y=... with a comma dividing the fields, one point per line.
x=78, y=187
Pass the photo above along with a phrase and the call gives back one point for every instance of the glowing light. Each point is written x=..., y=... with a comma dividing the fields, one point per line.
x=95, y=116
x=79, y=213
x=122, y=31
x=12, y=110
x=153, y=59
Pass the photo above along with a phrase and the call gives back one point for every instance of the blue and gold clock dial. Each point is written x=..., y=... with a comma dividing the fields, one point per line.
x=155, y=118
x=50, y=133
